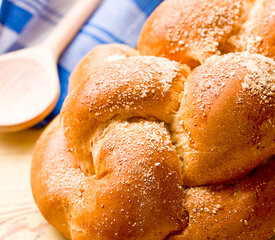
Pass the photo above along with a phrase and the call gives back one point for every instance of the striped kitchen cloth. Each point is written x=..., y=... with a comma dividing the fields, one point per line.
x=27, y=22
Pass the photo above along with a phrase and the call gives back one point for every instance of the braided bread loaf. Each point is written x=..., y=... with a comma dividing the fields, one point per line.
x=150, y=148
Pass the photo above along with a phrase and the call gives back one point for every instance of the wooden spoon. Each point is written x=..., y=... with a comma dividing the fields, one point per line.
x=29, y=83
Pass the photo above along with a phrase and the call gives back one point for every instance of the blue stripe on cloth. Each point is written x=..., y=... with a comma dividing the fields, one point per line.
x=31, y=5
x=63, y=78
x=42, y=7
x=147, y=6
x=118, y=19
x=79, y=47
x=98, y=39
x=108, y=33
x=8, y=13
x=37, y=2
x=46, y=18
x=52, y=11
x=14, y=47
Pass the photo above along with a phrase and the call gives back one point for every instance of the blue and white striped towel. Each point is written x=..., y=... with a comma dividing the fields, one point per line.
x=27, y=22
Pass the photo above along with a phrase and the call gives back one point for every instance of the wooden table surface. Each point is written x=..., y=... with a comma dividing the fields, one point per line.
x=19, y=216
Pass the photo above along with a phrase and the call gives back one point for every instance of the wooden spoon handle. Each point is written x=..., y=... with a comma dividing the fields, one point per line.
x=70, y=24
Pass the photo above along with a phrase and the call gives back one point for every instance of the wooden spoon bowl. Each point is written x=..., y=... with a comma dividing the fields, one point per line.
x=29, y=88
x=29, y=82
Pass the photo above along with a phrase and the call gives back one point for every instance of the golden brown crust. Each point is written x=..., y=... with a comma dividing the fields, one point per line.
x=130, y=197
x=244, y=210
x=190, y=31
x=225, y=125
x=139, y=197
x=99, y=55
x=257, y=34
x=137, y=86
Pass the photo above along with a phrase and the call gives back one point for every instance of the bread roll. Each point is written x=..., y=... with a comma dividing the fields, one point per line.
x=243, y=210
x=225, y=124
x=191, y=31
x=135, y=193
x=139, y=86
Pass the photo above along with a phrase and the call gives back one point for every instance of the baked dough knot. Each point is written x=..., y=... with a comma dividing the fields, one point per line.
x=151, y=148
